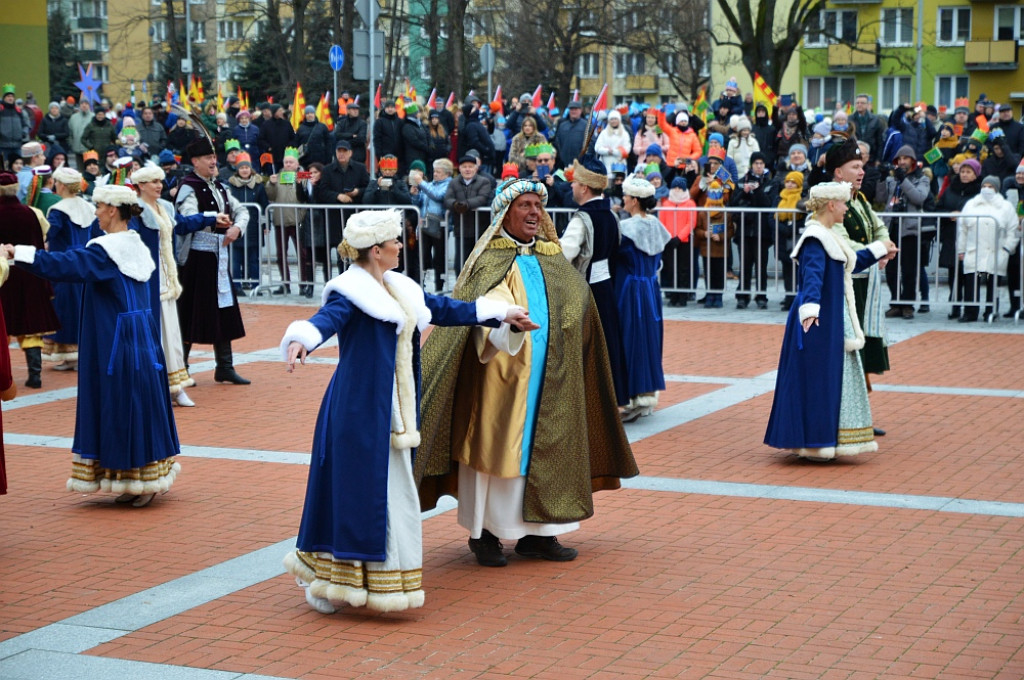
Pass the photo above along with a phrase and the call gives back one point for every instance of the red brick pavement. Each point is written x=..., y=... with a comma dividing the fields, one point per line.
x=667, y=585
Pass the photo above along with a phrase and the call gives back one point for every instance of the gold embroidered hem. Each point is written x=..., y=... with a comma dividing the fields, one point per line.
x=356, y=583
x=88, y=477
x=179, y=380
x=59, y=351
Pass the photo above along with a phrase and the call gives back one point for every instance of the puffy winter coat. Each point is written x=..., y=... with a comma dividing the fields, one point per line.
x=986, y=243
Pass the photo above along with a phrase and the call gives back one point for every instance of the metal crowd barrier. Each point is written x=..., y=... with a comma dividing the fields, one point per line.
x=298, y=250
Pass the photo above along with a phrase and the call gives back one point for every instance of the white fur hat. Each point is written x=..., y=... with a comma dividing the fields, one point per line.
x=148, y=173
x=638, y=187
x=115, y=194
x=832, y=191
x=66, y=175
x=371, y=227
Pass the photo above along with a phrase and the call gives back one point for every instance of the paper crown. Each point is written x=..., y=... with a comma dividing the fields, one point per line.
x=232, y=144
x=388, y=162
x=91, y=156
x=534, y=150
x=962, y=101
x=7, y=89
x=291, y=152
x=509, y=171
x=243, y=158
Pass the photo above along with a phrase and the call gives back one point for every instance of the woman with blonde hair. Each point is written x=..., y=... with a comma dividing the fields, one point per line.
x=528, y=134
x=821, y=408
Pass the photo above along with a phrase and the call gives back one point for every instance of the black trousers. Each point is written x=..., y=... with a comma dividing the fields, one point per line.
x=754, y=266
x=909, y=268
x=972, y=292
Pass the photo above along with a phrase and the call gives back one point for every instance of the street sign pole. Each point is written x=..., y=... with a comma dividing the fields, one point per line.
x=336, y=58
x=371, y=164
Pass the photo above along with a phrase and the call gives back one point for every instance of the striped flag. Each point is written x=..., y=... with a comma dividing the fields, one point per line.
x=601, y=103
x=537, y=98
x=323, y=111
x=700, y=109
x=497, y=106
x=764, y=93
x=551, y=102
x=450, y=101
x=298, y=106
x=432, y=99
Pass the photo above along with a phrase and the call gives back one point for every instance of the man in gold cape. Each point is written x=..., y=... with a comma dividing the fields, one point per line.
x=534, y=429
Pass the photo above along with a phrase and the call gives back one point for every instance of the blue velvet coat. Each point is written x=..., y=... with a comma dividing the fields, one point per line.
x=65, y=235
x=808, y=386
x=345, y=511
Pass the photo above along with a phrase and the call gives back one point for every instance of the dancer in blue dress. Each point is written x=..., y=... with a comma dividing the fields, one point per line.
x=360, y=539
x=638, y=295
x=821, y=409
x=125, y=439
x=69, y=220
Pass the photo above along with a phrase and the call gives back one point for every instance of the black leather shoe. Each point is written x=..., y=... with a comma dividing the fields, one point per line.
x=762, y=304
x=879, y=432
x=924, y=309
x=968, y=319
x=742, y=304
x=487, y=549
x=229, y=375
x=1009, y=314
x=545, y=547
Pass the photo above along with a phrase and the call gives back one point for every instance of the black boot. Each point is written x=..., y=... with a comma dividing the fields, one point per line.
x=186, y=348
x=34, y=360
x=225, y=371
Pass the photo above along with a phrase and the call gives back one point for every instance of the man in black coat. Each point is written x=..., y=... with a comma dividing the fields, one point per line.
x=473, y=135
x=315, y=138
x=276, y=134
x=868, y=127
x=755, y=232
x=1012, y=130
x=343, y=182
x=467, y=192
x=569, y=135
x=415, y=141
x=387, y=132
x=351, y=128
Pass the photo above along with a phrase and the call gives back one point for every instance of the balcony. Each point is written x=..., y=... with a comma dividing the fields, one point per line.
x=90, y=56
x=990, y=55
x=859, y=57
x=642, y=83
x=92, y=24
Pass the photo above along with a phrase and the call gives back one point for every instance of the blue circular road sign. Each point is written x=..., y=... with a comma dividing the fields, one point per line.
x=336, y=57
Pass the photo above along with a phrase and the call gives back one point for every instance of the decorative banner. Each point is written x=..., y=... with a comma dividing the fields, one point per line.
x=764, y=93
x=298, y=106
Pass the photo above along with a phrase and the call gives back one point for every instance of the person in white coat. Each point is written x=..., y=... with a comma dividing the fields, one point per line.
x=614, y=142
x=984, y=244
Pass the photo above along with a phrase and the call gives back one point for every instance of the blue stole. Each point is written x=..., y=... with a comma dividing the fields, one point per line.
x=537, y=300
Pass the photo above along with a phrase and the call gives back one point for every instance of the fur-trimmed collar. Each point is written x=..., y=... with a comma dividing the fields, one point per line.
x=81, y=211
x=361, y=289
x=832, y=245
x=128, y=252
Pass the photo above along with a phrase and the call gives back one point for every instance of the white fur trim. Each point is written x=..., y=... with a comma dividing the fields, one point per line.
x=26, y=254
x=66, y=175
x=406, y=435
x=297, y=568
x=148, y=173
x=878, y=249
x=370, y=227
x=128, y=252
x=114, y=194
x=832, y=191
x=362, y=290
x=302, y=332
x=81, y=211
x=495, y=310
x=387, y=602
x=809, y=310
x=637, y=187
x=824, y=453
x=854, y=449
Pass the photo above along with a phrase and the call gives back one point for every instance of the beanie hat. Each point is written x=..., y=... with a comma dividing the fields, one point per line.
x=655, y=150
x=682, y=118
x=167, y=157
x=309, y=109
x=757, y=156
x=796, y=177
x=679, y=183
x=993, y=180
x=742, y=123
x=823, y=128
x=717, y=137
x=802, y=148
x=418, y=165
x=973, y=165
x=906, y=150
x=1020, y=168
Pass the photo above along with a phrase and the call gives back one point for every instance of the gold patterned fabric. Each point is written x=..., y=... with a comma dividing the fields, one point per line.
x=579, y=445
x=87, y=476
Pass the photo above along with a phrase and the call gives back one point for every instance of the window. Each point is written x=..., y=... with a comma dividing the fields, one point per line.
x=589, y=66
x=629, y=20
x=1009, y=24
x=230, y=30
x=442, y=31
x=832, y=26
x=897, y=27
x=76, y=10
x=893, y=91
x=425, y=69
x=401, y=66
x=198, y=31
x=226, y=69
x=78, y=41
x=100, y=72
x=669, y=64
x=100, y=9
x=101, y=42
x=948, y=89
x=827, y=93
x=159, y=31
x=954, y=25
x=629, y=64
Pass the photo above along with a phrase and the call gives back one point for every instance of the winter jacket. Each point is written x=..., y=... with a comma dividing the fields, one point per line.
x=740, y=150
x=517, y=150
x=1000, y=167
x=54, y=130
x=13, y=130
x=869, y=129
x=276, y=134
x=98, y=136
x=316, y=140
x=904, y=195
x=683, y=143
x=764, y=195
x=473, y=135
x=153, y=135
x=986, y=243
x=569, y=140
x=1014, y=133
x=248, y=139
x=613, y=146
x=250, y=192
x=415, y=145
x=353, y=131
x=644, y=138
x=430, y=197
x=180, y=137
x=476, y=194
x=764, y=132
x=387, y=135
x=76, y=126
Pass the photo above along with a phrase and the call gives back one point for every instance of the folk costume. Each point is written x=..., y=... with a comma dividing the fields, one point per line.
x=523, y=440
x=162, y=221
x=821, y=409
x=26, y=299
x=125, y=438
x=360, y=540
x=69, y=220
x=860, y=227
x=591, y=243
x=208, y=309
x=638, y=296
x=6, y=381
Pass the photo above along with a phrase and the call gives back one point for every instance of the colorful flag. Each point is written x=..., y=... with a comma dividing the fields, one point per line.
x=575, y=95
x=323, y=111
x=400, y=106
x=601, y=103
x=241, y=99
x=450, y=101
x=376, y=98
x=200, y=94
x=432, y=99
x=700, y=108
x=764, y=93
x=298, y=106
x=537, y=94
x=183, y=96
x=496, y=104
x=551, y=102
x=220, y=99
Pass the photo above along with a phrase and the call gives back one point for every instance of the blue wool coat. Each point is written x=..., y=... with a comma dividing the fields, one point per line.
x=345, y=511
x=65, y=235
x=808, y=386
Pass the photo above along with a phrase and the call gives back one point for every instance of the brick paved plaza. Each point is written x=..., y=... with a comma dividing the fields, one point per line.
x=725, y=559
